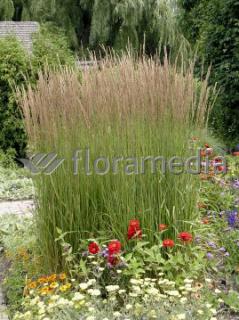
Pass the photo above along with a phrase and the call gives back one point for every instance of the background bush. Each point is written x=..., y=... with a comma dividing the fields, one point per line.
x=213, y=26
x=14, y=66
x=18, y=68
x=51, y=47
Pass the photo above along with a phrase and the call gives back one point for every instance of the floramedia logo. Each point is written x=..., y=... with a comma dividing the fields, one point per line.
x=83, y=162
x=42, y=163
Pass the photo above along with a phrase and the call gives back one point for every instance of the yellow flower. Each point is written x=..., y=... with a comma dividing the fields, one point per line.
x=54, y=285
x=65, y=287
x=62, y=276
x=45, y=290
x=52, y=278
x=32, y=285
x=42, y=280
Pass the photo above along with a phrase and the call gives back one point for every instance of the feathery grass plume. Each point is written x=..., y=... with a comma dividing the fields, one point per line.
x=127, y=108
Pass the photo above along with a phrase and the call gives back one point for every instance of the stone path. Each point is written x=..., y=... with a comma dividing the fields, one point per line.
x=21, y=207
x=3, y=308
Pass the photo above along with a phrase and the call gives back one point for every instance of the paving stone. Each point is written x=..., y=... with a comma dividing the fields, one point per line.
x=21, y=207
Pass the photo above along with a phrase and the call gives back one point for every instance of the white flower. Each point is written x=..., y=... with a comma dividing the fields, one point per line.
x=112, y=288
x=188, y=281
x=162, y=281
x=200, y=311
x=208, y=305
x=174, y=293
x=136, y=289
x=135, y=281
x=94, y=292
x=121, y=291
x=213, y=311
x=91, y=282
x=55, y=297
x=41, y=311
x=189, y=289
x=116, y=314
x=152, y=291
x=78, y=296
x=183, y=300
x=181, y=316
x=83, y=286
x=133, y=294
x=217, y=291
x=128, y=306
x=208, y=280
x=90, y=318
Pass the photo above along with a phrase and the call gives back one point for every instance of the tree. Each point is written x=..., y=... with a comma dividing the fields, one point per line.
x=6, y=10
x=111, y=23
x=213, y=25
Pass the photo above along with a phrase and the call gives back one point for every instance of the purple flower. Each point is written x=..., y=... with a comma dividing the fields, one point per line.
x=227, y=254
x=197, y=239
x=232, y=218
x=105, y=253
x=212, y=244
x=222, y=249
x=235, y=184
x=210, y=256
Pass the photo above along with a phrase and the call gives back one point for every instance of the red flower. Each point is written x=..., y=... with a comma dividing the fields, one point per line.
x=162, y=227
x=217, y=160
x=185, y=236
x=93, y=248
x=221, y=168
x=113, y=261
x=168, y=243
x=207, y=145
x=134, y=230
x=114, y=247
x=134, y=224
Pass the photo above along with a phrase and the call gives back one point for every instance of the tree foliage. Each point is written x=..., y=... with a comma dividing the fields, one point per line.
x=113, y=23
x=214, y=24
x=6, y=9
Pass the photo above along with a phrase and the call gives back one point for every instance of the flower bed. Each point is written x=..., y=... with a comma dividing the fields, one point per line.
x=194, y=276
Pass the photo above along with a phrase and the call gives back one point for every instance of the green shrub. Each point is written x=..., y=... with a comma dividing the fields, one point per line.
x=14, y=65
x=17, y=68
x=51, y=47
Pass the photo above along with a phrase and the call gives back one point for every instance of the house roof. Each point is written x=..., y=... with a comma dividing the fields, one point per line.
x=22, y=30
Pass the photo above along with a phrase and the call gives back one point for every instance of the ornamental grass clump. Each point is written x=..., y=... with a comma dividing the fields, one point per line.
x=127, y=109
